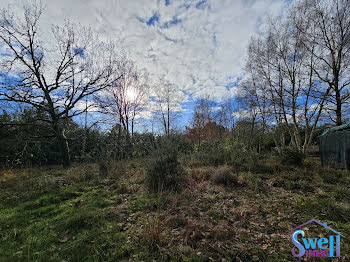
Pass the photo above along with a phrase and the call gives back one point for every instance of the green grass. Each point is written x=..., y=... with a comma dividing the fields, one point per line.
x=117, y=219
x=69, y=224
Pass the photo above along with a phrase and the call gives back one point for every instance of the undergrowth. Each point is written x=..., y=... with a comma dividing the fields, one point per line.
x=105, y=212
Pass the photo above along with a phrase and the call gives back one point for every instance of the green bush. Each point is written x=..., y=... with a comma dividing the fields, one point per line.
x=228, y=151
x=165, y=171
x=292, y=157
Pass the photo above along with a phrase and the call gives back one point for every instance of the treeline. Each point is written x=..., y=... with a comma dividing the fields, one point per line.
x=27, y=141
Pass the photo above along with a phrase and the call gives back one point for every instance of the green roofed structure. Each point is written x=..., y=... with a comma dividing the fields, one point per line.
x=335, y=147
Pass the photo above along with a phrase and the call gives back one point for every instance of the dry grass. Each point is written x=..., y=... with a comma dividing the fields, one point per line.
x=207, y=221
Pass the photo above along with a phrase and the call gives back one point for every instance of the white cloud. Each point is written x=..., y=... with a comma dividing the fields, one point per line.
x=199, y=47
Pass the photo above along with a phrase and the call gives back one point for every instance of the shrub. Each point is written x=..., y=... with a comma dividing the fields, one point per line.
x=210, y=153
x=292, y=157
x=175, y=143
x=267, y=164
x=87, y=158
x=122, y=189
x=228, y=151
x=239, y=154
x=165, y=171
x=225, y=177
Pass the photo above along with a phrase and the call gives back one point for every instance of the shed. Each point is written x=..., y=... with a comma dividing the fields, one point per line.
x=335, y=147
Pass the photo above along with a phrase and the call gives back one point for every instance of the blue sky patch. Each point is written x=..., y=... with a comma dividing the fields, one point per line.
x=172, y=22
x=201, y=4
x=233, y=81
x=79, y=51
x=5, y=54
x=186, y=6
x=153, y=19
x=9, y=79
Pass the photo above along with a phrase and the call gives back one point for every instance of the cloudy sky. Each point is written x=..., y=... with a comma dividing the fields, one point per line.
x=198, y=45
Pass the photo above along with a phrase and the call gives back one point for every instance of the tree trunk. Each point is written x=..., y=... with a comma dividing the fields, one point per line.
x=168, y=118
x=83, y=148
x=62, y=144
x=132, y=129
x=164, y=124
x=338, y=108
x=119, y=139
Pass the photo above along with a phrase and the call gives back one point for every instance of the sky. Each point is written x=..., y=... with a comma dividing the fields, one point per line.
x=197, y=45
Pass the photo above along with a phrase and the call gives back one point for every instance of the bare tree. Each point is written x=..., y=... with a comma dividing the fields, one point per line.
x=283, y=69
x=167, y=101
x=255, y=102
x=329, y=42
x=224, y=116
x=56, y=75
x=126, y=98
x=202, y=115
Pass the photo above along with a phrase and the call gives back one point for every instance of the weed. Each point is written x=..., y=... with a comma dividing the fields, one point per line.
x=103, y=169
x=122, y=189
x=325, y=207
x=89, y=175
x=152, y=235
x=342, y=194
x=329, y=175
x=299, y=184
x=117, y=169
x=252, y=181
x=203, y=174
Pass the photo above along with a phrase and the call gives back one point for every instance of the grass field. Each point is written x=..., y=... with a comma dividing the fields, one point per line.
x=51, y=214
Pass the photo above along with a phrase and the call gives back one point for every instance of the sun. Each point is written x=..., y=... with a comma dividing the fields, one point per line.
x=131, y=94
